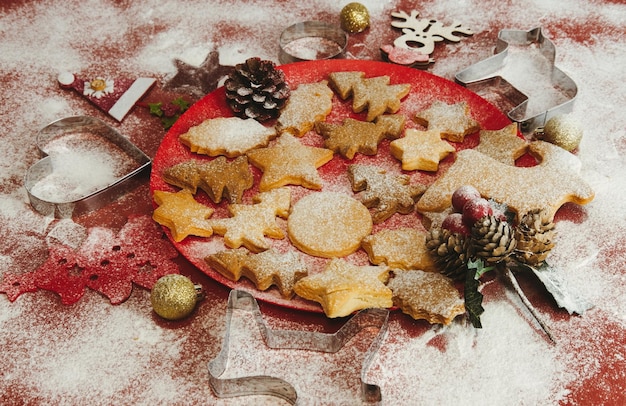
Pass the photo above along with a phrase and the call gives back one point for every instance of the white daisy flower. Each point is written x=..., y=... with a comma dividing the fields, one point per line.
x=98, y=87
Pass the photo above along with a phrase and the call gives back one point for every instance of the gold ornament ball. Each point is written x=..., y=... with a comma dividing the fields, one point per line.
x=354, y=17
x=563, y=131
x=174, y=297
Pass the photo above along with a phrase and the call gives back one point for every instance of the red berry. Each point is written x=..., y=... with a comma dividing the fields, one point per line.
x=462, y=195
x=454, y=223
x=474, y=210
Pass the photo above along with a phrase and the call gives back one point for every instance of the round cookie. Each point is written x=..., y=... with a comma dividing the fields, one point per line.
x=328, y=224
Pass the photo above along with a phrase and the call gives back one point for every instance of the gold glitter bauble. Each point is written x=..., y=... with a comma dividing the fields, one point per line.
x=563, y=131
x=354, y=17
x=174, y=297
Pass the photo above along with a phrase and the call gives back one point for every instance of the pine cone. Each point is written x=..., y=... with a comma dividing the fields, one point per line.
x=493, y=239
x=535, y=237
x=256, y=89
x=450, y=252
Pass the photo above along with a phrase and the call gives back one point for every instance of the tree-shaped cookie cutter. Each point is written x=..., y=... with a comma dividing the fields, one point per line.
x=293, y=339
x=478, y=76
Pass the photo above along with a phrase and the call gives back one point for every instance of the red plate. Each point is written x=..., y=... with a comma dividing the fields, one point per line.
x=425, y=88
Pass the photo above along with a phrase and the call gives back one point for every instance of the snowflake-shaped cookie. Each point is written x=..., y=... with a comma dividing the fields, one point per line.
x=386, y=193
x=453, y=121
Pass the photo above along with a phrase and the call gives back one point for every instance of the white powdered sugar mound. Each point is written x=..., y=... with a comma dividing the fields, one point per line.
x=93, y=352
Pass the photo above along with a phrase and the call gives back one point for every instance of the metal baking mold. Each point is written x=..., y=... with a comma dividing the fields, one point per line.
x=477, y=77
x=74, y=206
x=322, y=41
x=293, y=339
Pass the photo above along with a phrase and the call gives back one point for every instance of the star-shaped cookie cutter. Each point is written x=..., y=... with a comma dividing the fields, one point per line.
x=478, y=76
x=293, y=339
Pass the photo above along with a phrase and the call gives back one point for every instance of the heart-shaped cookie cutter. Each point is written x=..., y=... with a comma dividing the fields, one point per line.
x=479, y=76
x=293, y=339
x=70, y=206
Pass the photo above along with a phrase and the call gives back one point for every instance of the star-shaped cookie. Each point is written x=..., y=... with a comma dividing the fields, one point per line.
x=250, y=223
x=343, y=288
x=426, y=295
x=375, y=94
x=198, y=80
x=289, y=162
x=264, y=269
x=453, y=121
x=228, y=136
x=401, y=248
x=503, y=145
x=386, y=193
x=182, y=214
x=354, y=136
x=218, y=178
x=420, y=150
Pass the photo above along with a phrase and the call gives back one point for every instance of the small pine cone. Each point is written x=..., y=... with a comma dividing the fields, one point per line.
x=449, y=251
x=256, y=89
x=493, y=239
x=535, y=237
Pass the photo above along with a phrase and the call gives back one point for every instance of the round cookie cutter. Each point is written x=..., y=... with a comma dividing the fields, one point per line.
x=64, y=207
x=311, y=40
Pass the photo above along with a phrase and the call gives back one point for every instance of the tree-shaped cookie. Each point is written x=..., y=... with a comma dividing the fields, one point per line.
x=386, y=193
x=344, y=288
x=250, y=223
x=453, y=121
x=182, y=214
x=218, y=178
x=264, y=269
x=289, y=162
x=420, y=150
x=403, y=248
x=354, y=136
x=375, y=94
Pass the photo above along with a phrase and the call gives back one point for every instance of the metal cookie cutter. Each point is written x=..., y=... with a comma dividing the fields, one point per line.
x=311, y=40
x=81, y=128
x=477, y=77
x=292, y=339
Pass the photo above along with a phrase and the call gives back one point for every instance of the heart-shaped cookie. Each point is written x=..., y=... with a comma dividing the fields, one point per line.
x=86, y=164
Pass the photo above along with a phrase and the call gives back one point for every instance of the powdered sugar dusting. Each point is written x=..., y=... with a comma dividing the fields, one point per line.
x=124, y=354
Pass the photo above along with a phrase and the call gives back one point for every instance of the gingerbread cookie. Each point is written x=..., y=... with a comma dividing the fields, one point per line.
x=308, y=104
x=289, y=162
x=344, y=288
x=386, y=193
x=218, y=178
x=426, y=295
x=228, y=136
x=375, y=94
x=420, y=150
x=548, y=185
x=249, y=224
x=182, y=214
x=354, y=136
x=453, y=121
x=402, y=248
x=328, y=224
x=265, y=269
x=503, y=145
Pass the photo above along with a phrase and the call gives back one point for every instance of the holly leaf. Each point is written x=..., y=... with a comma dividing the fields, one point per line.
x=169, y=121
x=555, y=284
x=155, y=109
x=182, y=103
x=479, y=267
x=473, y=298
